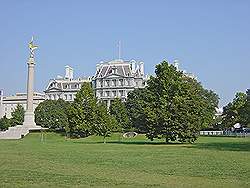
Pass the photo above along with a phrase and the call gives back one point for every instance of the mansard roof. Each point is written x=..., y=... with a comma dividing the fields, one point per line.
x=117, y=67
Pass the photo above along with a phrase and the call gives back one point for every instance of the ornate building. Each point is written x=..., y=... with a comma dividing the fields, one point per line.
x=116, y=78
x=64, y=87
x=8, y=103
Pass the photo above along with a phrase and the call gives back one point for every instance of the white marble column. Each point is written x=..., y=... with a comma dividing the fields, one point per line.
x=29, y=117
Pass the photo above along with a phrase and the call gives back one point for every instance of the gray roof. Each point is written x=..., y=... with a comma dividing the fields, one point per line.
x=117, y=67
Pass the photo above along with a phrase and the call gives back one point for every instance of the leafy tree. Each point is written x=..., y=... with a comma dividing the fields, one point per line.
x=105, y=122
x=52, y=114
x=182, y=106
x=236, y=111
x=173, y=106
x=119, y=111
x=17, y=115
x=82, y=113
x=136, y=104
x=5, y=123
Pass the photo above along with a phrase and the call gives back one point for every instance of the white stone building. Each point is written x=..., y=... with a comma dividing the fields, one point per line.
x=116, y=78
x=64, y=87
x=9, y=103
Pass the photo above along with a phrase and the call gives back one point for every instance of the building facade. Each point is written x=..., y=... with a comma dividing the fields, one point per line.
x=8, y=103
x=64, y=87
x=116, y=78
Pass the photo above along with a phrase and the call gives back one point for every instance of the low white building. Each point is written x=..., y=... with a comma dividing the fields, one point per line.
x=64, y=87
x=9, y=103
x=116, y=78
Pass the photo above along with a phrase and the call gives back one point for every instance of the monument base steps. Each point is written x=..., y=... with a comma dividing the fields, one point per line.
x=18, y=132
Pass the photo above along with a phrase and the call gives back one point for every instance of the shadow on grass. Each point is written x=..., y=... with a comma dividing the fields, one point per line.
x=128, y=142
x=228, y=146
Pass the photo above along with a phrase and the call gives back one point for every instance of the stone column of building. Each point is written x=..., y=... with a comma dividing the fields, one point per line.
x=29, y=117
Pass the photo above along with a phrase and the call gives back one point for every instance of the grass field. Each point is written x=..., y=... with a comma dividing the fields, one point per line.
x=57, y=162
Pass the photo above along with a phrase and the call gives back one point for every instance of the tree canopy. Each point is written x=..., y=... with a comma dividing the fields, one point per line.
x=52, y=114
x=119, y=111
x=237, y=111
x=82, y=112
x=173, y=106
x=17, y=115
x=105, y=123
x=5, y=123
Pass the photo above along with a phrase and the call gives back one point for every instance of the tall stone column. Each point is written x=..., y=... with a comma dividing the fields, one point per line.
x=29, y=117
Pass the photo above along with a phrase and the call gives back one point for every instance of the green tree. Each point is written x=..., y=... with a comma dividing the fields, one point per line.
x=17, y=115
x=119, y=111
x=136, y=105
x=105, y=123
x=175, y=107
x=245, y=114
x=52, y=114
x=82, y=113
x=236, y=111
x=5, y=123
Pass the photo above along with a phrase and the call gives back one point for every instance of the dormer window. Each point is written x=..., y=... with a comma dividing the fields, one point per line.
x=114, y=70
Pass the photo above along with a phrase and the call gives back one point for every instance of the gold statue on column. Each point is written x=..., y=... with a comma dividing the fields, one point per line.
x=32, y=48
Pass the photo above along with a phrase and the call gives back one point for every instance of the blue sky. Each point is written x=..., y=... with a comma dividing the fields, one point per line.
x=209, y=38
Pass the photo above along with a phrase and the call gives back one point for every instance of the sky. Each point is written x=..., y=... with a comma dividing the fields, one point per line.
x=210, y=38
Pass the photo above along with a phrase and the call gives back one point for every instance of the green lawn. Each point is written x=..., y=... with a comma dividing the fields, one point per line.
x=57, y=162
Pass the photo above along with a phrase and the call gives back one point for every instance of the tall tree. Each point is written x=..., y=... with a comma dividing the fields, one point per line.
x=82, y=113
x=118, y=110
x=105, y=123
x=52, y=114
x=175, y=107
x=17, y=115
x=137, y=102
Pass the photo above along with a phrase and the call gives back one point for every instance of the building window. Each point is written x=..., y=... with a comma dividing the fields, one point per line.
x=66, y=86
x=128, y=82
x=107, y=93
x=70, y=96
x=107, y=83
x=121, y=93
x=121, y=82
x=114, y=93
x=65, y=97
x=114, y=82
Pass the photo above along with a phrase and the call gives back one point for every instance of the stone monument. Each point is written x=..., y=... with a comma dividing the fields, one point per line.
x=29, y=124
x=29, y=116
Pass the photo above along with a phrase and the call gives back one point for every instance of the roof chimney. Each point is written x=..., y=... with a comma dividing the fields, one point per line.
x=68, y=72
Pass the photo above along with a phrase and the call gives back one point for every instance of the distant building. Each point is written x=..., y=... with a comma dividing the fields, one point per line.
x=9, y=103
x=116, y=78
x=248, y=93
x=64, y=87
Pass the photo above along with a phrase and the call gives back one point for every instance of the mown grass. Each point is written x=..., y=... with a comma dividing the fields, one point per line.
x=60, y=162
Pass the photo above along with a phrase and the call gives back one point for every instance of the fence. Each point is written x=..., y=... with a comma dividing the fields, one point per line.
x=224, y=133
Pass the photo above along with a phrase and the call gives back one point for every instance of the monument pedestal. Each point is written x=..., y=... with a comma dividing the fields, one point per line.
x=29, y=120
